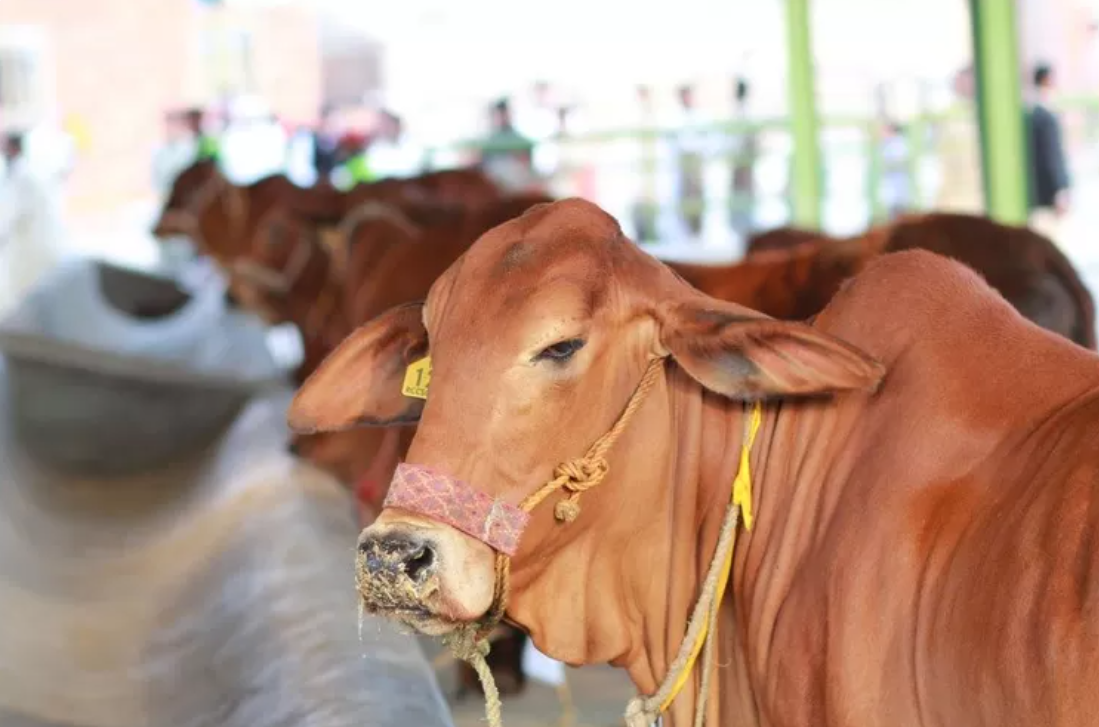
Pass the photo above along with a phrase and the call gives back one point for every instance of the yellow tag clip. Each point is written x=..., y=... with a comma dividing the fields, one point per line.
x=417, y=378
x=742, y=485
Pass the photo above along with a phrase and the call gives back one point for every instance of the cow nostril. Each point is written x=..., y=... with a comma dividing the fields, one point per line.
x=419, y=563
x=397, y=556
x=293, y=448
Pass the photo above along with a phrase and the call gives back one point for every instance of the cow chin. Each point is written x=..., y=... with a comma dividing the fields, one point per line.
x=428, y=576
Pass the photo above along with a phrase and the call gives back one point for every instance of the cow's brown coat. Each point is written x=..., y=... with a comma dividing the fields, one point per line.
x=922, y=555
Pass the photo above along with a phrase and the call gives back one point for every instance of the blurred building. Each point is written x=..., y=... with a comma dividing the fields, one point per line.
x=1060, y=32
x=107, y=71
x=351, y=62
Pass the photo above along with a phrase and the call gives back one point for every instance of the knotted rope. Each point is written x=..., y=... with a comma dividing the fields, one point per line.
x=577, y=476
x=470, y=642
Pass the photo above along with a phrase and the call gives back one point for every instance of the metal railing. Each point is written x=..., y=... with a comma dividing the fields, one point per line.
x=863, y=166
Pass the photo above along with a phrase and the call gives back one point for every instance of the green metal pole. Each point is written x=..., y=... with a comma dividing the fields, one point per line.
x=1000, y=109
x=805, y=124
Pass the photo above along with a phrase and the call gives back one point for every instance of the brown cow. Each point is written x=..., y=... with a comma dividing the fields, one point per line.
x=466, y=187
x=1029, y=270
x=923, y=544
x=780, y=238
x=290, y=276
x=222, y=218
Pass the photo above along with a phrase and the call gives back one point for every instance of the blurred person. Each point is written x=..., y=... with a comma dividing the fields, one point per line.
x=745, y=152
x=1091, y=112
x=538, y=120
x=1048, y=186
x=575, y=175
x=31, y=230
x=326, y=142
x=300, y=161
x=390, y=152
x=52, y=149
x=691, y=158
x=508, y=156
x=177, y=151
x=354, y=166
x=961, y=187
x=206, y=144
x=254, y=143
x=646, y=207
x=896, y=181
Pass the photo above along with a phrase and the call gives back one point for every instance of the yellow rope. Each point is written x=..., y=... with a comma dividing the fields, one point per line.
x=740, y=504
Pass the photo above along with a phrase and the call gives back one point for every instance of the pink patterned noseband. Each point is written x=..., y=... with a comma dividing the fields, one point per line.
x=434, y=495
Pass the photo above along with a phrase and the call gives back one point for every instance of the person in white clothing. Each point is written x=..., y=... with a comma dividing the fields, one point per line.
x=649, y=157
x=538, y=120
x=692, y=147
x=31, y=231
x=254, y=145
x=391, y=154
x=174, y=155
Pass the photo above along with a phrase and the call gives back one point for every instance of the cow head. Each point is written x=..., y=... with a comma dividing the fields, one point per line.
x=285, y=258
x=193, y=189
x=538, y=338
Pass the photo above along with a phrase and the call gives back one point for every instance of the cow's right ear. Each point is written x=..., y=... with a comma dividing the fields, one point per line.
x=360, y=383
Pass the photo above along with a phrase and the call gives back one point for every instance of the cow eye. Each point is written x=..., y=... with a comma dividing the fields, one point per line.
x=561, y=351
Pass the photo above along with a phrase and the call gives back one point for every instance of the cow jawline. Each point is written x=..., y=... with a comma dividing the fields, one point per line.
x=421, y=612
x=428, y=624
x=419, y=618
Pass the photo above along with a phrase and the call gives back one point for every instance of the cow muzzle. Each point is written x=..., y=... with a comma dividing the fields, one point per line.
x=425, y=577
x=397, y=575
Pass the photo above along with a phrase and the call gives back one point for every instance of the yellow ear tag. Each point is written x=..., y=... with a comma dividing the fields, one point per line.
x=417, y=377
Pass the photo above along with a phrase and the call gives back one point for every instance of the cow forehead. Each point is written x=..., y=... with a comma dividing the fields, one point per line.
x=557, y=256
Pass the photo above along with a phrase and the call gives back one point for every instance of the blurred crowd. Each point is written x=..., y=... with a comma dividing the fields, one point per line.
x=656, y=178
x=344, y=146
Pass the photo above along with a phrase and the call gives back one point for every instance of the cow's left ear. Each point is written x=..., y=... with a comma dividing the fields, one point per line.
x=743, y=355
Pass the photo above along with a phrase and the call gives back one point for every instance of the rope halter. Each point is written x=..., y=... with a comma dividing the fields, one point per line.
x=500, y=525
